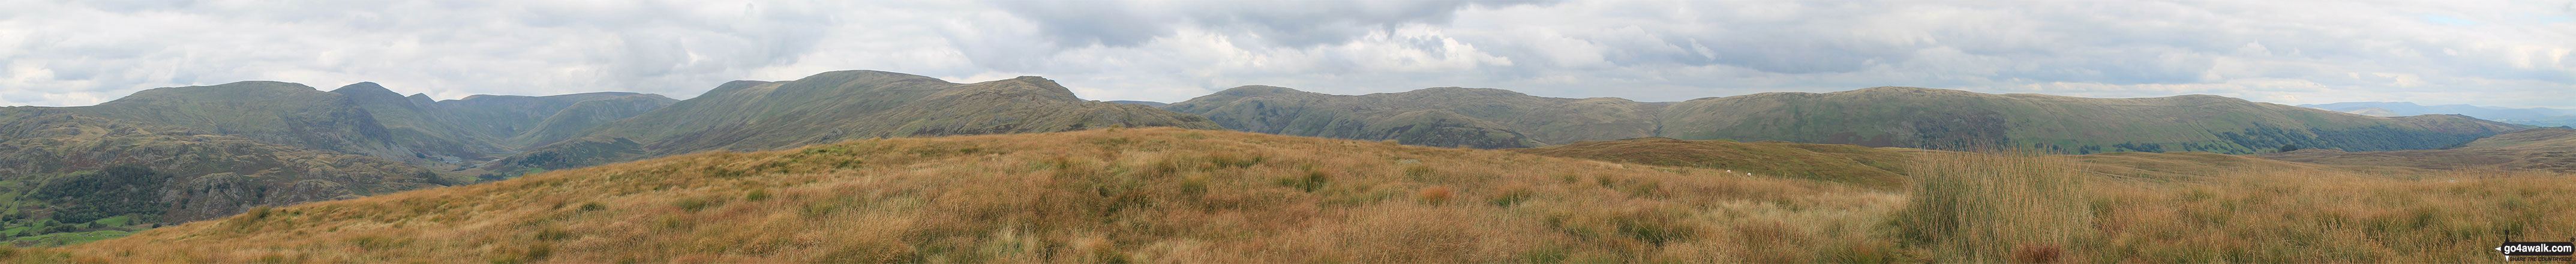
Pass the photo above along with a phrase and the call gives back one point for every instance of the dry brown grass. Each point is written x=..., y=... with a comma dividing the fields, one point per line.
x=2312, y=217
x=1124, y=195
x=1174, y=195
x=2027, y=208
x=1983, y=208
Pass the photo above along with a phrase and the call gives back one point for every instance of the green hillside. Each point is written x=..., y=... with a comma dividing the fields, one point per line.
x=1936, y=118
x=580, y=117
x=1877, y=117
x=428, y=126
x=178, y=154
x=509, y=118
x=844, y=105
x=366, y=118
x=275, y=112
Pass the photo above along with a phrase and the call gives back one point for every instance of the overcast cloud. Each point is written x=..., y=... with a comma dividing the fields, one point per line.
x=2498, y=53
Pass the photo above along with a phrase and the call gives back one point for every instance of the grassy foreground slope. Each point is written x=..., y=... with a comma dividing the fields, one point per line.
x=1865, y=166
x=1150, y=195
x=1176, y=195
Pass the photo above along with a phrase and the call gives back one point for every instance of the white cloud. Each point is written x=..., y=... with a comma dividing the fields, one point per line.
x=2502, y=53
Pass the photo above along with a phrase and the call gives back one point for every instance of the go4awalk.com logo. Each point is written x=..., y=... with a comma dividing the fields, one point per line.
x=2538, y=251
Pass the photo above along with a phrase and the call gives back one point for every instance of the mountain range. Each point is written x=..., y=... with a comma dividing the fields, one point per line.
x=182, y=154
x=1876, y=117
x=843, y=105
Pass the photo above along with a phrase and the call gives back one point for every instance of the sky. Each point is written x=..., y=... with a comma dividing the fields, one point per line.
x=2493, y=53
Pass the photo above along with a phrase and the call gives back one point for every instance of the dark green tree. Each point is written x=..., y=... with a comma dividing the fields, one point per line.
x=116, y=190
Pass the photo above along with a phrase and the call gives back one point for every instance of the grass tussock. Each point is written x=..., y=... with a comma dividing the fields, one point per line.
x=1993, y=208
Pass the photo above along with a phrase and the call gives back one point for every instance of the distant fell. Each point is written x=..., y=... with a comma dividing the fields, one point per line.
x=1942, y=119
x=1879, y=117
x=2527, y=116
x=177, y=154
x=1890, y=168
x=580, y=117
x=276, y=112
x=845, y=105
x=71, y=169
x=1143, y=103
x=412, y=122
x=1446, y=117
x=506, y=117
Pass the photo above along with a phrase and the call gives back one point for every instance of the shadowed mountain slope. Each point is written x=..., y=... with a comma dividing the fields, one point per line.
x=580, y=117
x=505, y=117
x=275, y=112
x=62, y=171
x=409, y=119
x=845, y=105
x=177, y=154
x=497, y=123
